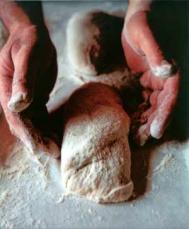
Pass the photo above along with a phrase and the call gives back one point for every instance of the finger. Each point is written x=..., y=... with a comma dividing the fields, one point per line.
x=15, y=124
x=143, y=133
x=166, y=103
x=21, y=127
x=145, y=115
x=22, y=85
x=148, y=80
x=146, y=118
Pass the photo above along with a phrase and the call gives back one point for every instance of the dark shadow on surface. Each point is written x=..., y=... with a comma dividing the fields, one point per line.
x=57, y=125
x=139, y=171
x=141, y=158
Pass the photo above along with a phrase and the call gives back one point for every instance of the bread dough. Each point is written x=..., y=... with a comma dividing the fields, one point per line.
x=95, y=152
x=94, y=48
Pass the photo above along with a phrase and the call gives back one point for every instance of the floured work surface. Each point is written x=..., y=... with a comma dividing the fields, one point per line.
x=30, y=189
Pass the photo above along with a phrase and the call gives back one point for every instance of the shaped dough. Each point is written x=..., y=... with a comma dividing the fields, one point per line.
x=94, y=48
x=95, y=152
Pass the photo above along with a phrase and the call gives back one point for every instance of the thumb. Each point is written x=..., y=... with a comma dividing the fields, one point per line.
x=22, y=84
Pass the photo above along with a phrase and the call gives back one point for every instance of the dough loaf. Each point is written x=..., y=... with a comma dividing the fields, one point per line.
x=95, y=154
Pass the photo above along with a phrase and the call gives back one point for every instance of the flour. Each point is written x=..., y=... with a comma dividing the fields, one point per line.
x=186, y=155
x=29, y=199
x=19, y=102
x=23, y=177
x=168, y=158
x=155, y=129
x=162, y=71
x=3, y=197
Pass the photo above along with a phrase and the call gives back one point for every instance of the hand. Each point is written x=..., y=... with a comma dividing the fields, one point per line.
x=144, y=56
x=28, y=70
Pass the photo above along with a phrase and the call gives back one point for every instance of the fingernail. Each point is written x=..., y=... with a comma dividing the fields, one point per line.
x=19, y=102
x=155, y=129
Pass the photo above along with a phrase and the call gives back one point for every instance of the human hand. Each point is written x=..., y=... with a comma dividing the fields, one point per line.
x=159, y=79
x=28, y=70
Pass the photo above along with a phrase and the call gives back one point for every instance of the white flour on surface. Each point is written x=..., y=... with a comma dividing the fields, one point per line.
x=23, y=179
x=31, y=195
x=168, y=158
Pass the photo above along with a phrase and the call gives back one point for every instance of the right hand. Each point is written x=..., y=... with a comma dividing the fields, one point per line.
x=144, y=56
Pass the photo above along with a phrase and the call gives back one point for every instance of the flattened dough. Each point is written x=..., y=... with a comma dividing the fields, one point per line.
x=95, y=155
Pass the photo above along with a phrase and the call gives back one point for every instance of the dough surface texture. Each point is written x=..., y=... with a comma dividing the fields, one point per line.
x=94, y=48
x=95, y=154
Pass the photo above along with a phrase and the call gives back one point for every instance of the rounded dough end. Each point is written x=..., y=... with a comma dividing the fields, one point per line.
x=95, y=154
x=94, y=48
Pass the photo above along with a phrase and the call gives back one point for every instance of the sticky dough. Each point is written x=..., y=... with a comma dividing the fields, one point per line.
x=95, y=152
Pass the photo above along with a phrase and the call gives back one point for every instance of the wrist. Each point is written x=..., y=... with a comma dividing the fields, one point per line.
x=16, y=15
x=13, y=16
x=135, y=6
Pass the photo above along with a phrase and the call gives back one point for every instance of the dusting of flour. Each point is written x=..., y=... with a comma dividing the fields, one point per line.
x=23, y=178
x=30, y=192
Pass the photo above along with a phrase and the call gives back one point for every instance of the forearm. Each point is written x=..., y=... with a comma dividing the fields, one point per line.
x=136, y=6
x=12, y=15
x=15, y=14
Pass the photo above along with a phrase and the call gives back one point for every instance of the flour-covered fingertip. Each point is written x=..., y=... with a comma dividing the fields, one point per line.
x=155, y=129
x=19, y=102
x=142, y=136
x=164, y=70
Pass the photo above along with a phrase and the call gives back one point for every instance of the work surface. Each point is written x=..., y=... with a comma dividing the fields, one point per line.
x=31, y=195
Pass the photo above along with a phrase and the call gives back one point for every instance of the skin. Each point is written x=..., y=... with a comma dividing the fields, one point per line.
x=143, y=55
x=28, y=59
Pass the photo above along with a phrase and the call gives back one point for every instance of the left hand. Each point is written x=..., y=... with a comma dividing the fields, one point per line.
x=28, y=70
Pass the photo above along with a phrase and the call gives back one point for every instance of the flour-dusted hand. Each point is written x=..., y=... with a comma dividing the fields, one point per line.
x=28, y=71
x=162, y=102
x=28, y=61
x=144, y=55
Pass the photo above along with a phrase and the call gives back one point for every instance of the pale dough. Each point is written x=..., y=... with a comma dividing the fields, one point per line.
x=94, y=48
x=95, y=155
